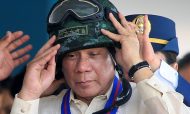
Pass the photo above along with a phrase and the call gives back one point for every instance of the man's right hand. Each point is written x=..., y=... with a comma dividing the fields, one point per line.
x=40, y=72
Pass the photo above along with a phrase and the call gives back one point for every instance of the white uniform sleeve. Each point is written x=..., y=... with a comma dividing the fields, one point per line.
x=25, y=107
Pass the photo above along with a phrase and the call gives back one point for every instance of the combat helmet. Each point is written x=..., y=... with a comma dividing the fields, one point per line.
x=77, y=24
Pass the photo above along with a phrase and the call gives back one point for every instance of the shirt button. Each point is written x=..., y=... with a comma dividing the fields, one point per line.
x=155, y=85
x=23, y=110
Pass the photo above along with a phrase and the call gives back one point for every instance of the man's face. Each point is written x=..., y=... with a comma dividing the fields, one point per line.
x=88, y=72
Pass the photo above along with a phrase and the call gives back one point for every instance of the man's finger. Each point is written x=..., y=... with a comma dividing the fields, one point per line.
x=17, y=34
x=56, y=47
x=15, y=44
x=146, y=26
x=111, y=35
x=116, y=24
x=46, y=58
x=51, y=65
x=124, y=22
x=13, y=36
x=47, y=45
x=4, y=42
x=21, y=52
x=21, y=60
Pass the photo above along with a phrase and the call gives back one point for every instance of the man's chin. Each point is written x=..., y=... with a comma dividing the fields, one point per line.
x=87, y=93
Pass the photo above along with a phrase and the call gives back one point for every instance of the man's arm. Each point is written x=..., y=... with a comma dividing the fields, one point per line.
x=151, y=89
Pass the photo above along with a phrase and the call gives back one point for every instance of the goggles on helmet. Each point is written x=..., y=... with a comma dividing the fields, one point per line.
x=88, y=10
x=80, y=9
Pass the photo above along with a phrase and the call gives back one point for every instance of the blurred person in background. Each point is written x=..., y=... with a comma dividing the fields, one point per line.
x=184, y=67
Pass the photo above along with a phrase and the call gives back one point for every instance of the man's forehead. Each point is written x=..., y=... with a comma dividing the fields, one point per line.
x=92, y=49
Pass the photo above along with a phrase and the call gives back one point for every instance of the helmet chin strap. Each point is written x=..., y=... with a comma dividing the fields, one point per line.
x=126, y=93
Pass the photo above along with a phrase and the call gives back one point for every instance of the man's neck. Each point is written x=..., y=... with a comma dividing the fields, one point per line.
x=85, y=99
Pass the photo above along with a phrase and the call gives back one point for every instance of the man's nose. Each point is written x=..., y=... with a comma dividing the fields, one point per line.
x=83, y=65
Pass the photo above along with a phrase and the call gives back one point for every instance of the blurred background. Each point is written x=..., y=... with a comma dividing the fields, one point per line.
x=30, y=16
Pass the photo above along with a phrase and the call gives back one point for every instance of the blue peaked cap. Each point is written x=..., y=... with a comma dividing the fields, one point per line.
x=162, y=34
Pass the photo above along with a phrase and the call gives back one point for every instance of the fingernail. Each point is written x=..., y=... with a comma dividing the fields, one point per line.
x=20, y=32
x=103, y=30
x=59, y=46
x=8, y=33
x=53, y=36
x=111, y=14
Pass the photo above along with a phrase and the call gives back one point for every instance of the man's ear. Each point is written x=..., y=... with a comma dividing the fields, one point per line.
x=175, y=66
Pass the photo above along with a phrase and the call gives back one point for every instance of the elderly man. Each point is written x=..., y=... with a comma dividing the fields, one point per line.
x=88, y=59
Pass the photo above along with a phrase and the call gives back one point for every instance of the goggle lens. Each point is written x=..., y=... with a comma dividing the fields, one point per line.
x=83, y=9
